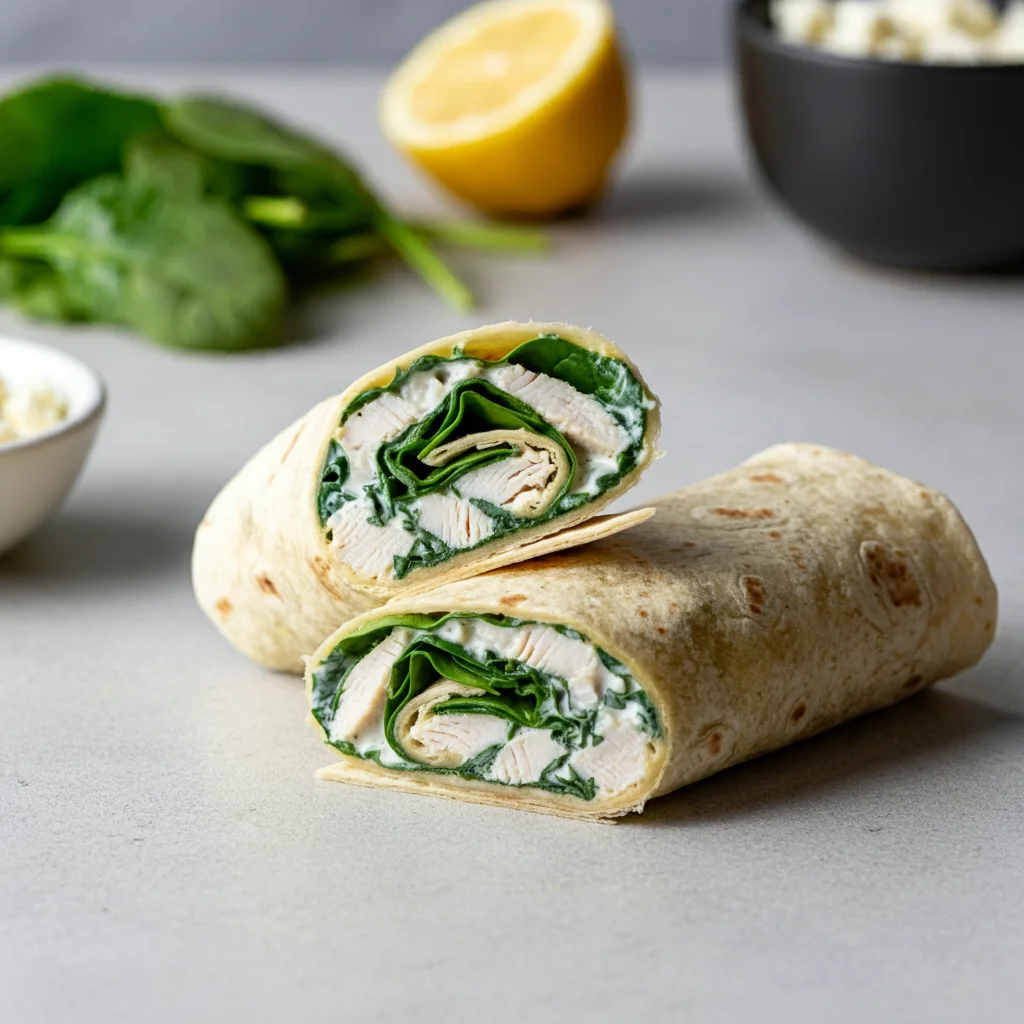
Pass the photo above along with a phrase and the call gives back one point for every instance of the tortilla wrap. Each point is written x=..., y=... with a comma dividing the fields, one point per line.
x=263, y=567
x=755, y=609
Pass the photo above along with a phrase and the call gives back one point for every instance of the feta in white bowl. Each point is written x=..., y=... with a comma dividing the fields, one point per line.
x=50, y=409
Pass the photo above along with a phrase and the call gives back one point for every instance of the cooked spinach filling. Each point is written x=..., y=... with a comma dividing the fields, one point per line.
x=522, y=696
x=475, y=405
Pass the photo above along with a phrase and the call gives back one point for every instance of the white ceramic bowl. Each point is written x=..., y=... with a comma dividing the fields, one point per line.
x=36, y=473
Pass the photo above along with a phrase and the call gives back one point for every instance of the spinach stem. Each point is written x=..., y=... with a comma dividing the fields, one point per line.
x=420, y=255
x=275, y=211
x=494, y=237
x=352, y=248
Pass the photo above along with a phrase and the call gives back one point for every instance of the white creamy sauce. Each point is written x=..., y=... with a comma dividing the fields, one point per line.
x=596, y=436
x=617, y=762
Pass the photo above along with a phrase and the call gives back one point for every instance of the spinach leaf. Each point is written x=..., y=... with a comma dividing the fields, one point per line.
x=242, y=134
x=158, y=159
x=36, y=290
x=183, y=270
x=30, y=202
x=604, y=377
x=308, y=169
x=472, y=406
x=60, y=132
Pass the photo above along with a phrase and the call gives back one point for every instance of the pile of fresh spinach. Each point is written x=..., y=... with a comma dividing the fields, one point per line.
x=189, y=220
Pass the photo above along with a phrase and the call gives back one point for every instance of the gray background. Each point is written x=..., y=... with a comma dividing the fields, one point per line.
x=659, y=32
x=166, y=855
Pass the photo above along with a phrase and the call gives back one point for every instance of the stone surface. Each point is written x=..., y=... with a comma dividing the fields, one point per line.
x=167, y=855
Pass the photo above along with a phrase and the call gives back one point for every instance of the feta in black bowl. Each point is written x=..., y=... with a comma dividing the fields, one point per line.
x=916, y=165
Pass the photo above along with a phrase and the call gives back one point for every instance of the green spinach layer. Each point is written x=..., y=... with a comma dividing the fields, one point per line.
x=523, y=696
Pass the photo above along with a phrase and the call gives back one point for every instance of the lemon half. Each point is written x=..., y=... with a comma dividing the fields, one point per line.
x=515, y=106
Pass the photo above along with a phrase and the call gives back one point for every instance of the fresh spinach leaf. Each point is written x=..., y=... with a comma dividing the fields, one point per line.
x=157, y=159
x=242, y=134
x=183, y=270
x=60, y=132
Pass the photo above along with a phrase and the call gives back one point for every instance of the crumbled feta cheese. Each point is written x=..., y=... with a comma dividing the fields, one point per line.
x=858, y=29
x=975, y=17
x=29, y=411
x=1008, y=42
x=951, y=47
x=935, y=31
x=801, y=21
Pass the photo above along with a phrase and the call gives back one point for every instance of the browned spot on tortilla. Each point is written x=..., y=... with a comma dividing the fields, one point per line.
x=322, y=572
x=892, y=574
x=685, y=546
x=642, y=612
x=643, y=593
x=266, y=584
x=206, y=522
x=798, y=560
x=926, y=495
x=766, y=478
x=224, y=608
x=270, y=479
x=774, y=534
x=912, y=683
x=978, y=601
x=988, y=627
x=661, y=629
x=753, y=587
x=511, y=600
x=714, y=743
x=293, y=442
x=798, y=712
x=744, y=513
x=673, y=604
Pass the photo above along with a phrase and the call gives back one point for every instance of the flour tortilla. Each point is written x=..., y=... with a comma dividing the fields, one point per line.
x=756, y=608
x=262, y=569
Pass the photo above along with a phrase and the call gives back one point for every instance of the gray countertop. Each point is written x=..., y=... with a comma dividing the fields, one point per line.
x=165, y=852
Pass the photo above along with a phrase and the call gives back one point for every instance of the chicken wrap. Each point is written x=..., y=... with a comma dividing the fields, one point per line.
x=756, y=608
x=485, y=448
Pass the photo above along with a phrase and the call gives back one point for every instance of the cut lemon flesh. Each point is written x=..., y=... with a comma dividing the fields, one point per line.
x=516, y=106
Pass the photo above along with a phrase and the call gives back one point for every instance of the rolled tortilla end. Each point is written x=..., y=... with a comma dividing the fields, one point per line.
x=475, y=451
x=757, y=608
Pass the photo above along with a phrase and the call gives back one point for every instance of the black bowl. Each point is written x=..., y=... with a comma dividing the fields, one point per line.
x=918, y=166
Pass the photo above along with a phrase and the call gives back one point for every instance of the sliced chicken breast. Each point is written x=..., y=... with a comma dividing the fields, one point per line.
x=360, y=712
x=454, y=520
x=365, y=546
x=582, y=419
x=523, y=759
x=543, y=648
x=619, y=760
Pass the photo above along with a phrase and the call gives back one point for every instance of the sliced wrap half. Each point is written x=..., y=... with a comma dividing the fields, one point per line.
x=756, y=608
x=485, y=448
